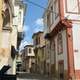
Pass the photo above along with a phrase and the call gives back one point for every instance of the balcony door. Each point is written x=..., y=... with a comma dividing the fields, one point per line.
x=61, y=70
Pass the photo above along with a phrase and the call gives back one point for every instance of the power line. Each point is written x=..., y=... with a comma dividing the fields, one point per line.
x=38, y=5
x=35, y=4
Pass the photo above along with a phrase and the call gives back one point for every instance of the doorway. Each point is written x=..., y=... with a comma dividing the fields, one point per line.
x=61, y=70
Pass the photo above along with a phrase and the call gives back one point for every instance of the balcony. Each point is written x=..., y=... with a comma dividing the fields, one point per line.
x=7, y=28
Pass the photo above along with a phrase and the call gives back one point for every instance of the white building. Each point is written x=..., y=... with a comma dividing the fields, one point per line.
x=62, y=29
x=28, y=59
x=18, y=20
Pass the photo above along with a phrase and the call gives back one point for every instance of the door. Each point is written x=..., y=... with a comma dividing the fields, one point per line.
x=61, y=70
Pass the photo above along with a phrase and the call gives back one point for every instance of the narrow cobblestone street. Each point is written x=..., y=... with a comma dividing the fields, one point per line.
x=27, y=76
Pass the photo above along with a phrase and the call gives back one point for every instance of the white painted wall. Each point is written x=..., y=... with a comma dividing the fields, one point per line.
x=18, y=16
x=76, y=45
x=52, y=52
x=55, y=11
x=5, y=39
x=27, y=51
x=65, y=50
x=15, y=19
x=14, y=37
x=72, y=7
x=5, y=48
x=62, y=56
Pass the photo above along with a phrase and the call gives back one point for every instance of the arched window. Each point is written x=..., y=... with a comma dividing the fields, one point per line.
x=6, y=19
x=6, y=14
x=60, y=43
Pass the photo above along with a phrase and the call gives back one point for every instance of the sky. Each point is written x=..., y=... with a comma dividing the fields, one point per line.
x=33, y=21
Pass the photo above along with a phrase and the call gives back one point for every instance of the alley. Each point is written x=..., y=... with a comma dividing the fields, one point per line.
x=27, y=76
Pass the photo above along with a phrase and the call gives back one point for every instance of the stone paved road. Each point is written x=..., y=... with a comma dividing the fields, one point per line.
x=27, y=76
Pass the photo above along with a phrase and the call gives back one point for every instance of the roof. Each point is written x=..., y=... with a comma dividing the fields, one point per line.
x=37, y=33
x=28, y=46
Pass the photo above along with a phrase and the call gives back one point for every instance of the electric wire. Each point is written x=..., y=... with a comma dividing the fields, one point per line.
x=38, y=5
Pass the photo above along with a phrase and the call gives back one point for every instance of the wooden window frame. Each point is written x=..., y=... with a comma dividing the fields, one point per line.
x=59, y=44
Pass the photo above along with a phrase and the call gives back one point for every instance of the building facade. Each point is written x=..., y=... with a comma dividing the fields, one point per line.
x=8, y=34
x=62, y=21
x=5, y=33
x=28, y=59
x=19, y=12
x=39, y=47
x=18, y=21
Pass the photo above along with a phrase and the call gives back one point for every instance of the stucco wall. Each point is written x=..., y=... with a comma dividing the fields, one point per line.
x=71, y=9
x=76, y=45
x=5, y=48
x=62, y=56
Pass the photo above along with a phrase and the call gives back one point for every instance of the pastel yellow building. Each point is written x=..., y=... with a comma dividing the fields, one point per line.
x=39, y=46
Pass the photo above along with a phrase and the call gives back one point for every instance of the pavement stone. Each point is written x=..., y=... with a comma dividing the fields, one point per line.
x=27, y=76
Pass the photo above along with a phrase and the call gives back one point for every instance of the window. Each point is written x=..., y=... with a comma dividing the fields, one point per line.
x=38, y=40
x=56, y=9
x=26, y=50
x=48, y=19
x=6, y=18
x=61, y=70
x=29, y=50
x=60, y=43
x=19, y=17
x=72, y=6
x=52, y=20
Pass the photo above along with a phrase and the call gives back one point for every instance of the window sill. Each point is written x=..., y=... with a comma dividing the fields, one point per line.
x=7, y=29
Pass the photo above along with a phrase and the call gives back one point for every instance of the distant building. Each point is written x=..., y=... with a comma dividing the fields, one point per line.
x=62, y=29
x=28, y=59
x=39, y=46
x=18, y=63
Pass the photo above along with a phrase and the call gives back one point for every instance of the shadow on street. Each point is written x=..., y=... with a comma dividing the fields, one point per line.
x=31, y=76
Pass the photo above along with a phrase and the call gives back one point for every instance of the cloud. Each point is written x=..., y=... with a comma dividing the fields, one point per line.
x=38, y=25
x=23, y=43
x=39, y=22
x=38, y=28
x=28, y=30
